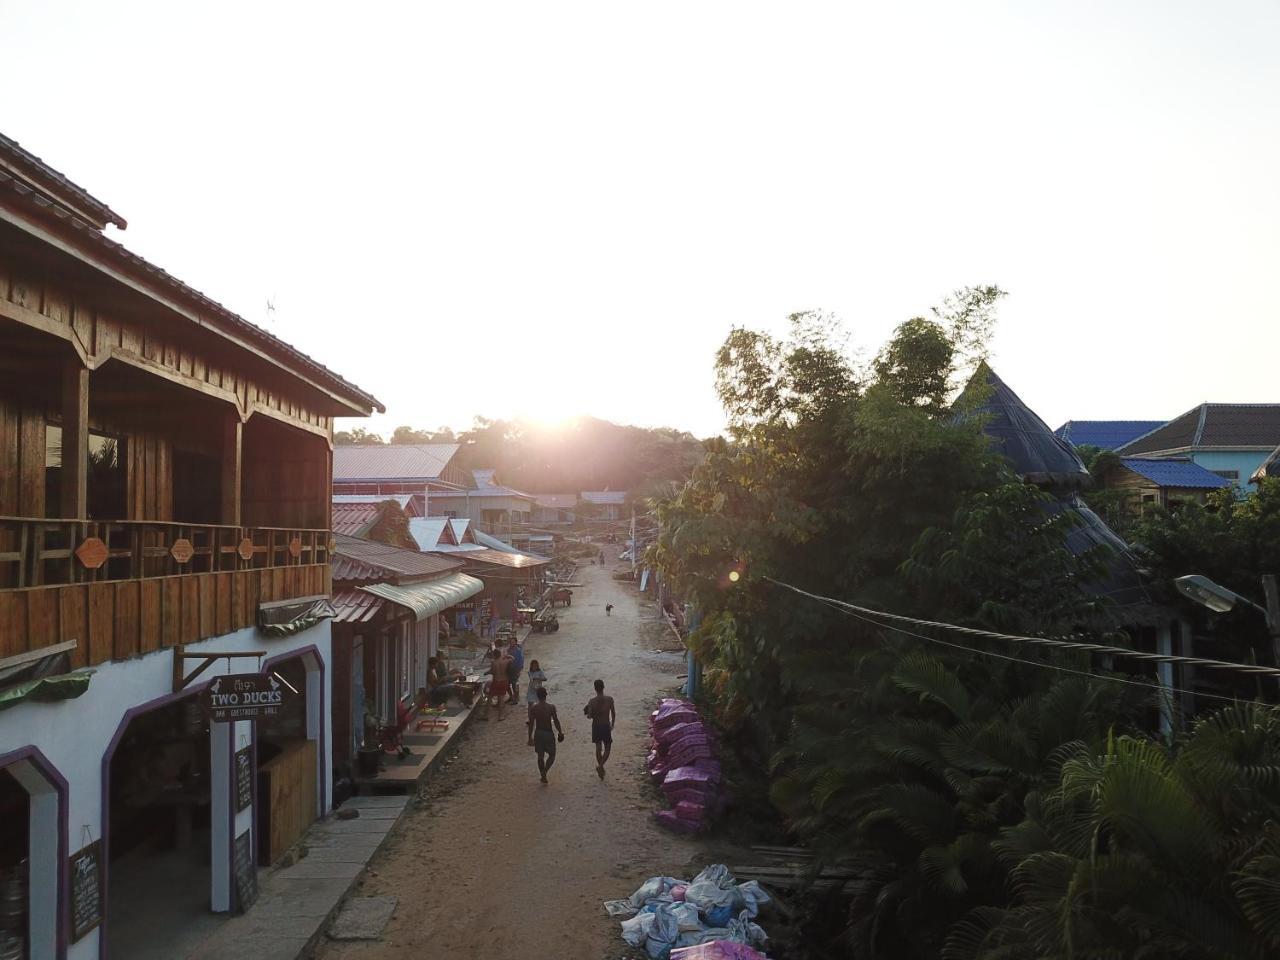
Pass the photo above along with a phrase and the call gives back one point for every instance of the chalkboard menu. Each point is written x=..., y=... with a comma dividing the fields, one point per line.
x=245, y=869
x=86, y=890
x=244, y=779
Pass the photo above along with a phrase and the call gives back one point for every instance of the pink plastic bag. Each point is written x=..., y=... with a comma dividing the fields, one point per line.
x=718, y=950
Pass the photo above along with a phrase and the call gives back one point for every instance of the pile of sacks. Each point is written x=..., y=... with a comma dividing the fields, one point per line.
x=683, y=760
x=711, y=917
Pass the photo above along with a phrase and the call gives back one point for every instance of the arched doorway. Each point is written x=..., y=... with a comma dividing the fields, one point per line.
x=33, y=849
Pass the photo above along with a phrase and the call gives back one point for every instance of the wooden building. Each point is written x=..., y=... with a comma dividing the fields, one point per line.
x=1148, y=482
x=165, y=472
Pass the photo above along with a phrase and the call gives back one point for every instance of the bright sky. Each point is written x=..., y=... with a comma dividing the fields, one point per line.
x=559, y=208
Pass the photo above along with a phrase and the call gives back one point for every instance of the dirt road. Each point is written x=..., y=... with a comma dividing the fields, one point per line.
x=501, y=867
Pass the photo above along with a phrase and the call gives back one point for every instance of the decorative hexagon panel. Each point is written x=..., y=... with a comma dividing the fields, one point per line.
x=245, y=549
x=92, y=553
x=295, y=547
x=181, y=550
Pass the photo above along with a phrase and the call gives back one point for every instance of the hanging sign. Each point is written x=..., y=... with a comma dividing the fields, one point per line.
x=244, y=696
x=86, y=890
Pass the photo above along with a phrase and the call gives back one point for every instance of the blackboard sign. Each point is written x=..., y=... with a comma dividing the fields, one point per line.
x=244, y=868
x=86, y=890
x=244, y=779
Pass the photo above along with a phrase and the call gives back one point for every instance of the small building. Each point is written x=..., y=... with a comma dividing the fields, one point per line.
x=496, y=508
x=388, y=602
x=1104, y=434
x=1229, y=439
x=603, y=504
x=1164, y=483
x=415, y=469
x=553, y=508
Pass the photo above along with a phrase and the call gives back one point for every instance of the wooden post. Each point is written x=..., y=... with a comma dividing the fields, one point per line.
x=232, y=435
x=75, y=441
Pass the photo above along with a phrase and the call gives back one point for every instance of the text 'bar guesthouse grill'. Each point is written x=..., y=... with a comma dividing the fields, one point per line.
x=164, y=541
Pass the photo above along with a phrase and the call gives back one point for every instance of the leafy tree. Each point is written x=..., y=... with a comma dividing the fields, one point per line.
x=357, y=435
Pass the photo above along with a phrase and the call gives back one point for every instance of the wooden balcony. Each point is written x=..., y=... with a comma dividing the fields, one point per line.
x=124, y=588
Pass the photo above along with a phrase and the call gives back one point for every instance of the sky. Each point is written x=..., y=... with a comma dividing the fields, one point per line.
x=553, y=209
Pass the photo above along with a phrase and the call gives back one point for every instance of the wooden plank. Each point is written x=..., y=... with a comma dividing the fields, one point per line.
x=150, y=615
x=171, y=612
x=73, y=621
x=128, y=625
x=102, y=613
x=232, y=459
x=74, y=482
x=31, y=464
x=223, y=619
x=291, y=780
x=9, y=456
x=208, y=604
x=190, y=623
x=13, y=622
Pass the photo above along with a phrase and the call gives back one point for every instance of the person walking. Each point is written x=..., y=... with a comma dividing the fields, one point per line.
x=536, y=680
x=603, y=716
x=499, y=669
x=608, y=609
x=516, y=654
x=541, y=717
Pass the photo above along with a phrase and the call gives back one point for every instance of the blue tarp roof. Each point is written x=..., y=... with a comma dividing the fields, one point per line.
x=1105, y=434
x=1175, y=473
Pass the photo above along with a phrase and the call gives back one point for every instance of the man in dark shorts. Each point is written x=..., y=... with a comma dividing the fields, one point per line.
x=541, y=716
x=603, y=716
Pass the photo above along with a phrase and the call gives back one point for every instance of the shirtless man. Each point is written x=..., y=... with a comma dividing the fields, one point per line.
x=498, y=686
x=603, y=716
x=541, y=716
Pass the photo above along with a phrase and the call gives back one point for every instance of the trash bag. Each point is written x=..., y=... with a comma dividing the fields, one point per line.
x=718, y=950
x=687, y=917
x=720, y=916
x=712, y=888
x=753, y=898
x=619, y=909
x=655, y=888
x=662, y=932
x=636, y=929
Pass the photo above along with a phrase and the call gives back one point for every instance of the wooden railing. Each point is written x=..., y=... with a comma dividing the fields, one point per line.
x=37, y=553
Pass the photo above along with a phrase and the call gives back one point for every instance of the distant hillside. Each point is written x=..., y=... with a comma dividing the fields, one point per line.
x=587, y=454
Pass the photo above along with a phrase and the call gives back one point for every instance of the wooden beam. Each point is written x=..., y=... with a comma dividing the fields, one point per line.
x=75, y=441
x=232, y=465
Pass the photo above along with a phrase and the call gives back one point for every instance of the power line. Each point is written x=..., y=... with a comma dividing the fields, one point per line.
x=1073, y=645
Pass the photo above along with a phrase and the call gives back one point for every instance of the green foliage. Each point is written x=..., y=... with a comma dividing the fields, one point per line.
x=358, y=435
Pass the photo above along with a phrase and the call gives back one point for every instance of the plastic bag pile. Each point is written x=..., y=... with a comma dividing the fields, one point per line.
x=711, y=917
x=683, y=760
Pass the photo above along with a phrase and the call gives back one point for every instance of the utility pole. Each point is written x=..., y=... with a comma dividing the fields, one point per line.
x=1272, y=593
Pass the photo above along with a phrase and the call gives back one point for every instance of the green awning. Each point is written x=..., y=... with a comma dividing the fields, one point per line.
x=66, y=686
x=429, y=597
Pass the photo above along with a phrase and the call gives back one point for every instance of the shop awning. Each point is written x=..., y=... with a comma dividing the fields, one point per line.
x=428, y=598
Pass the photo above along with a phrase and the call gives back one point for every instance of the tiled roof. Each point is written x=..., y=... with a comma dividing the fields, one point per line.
x=354, y=519
x=10, y=185
x=356, y=559
x=392, y=461
x=1175, y=473
x=1214, y=425
x=1104, y=434
x=14, y=155
x=556, y=501
x=604, y=496
x=355, y=606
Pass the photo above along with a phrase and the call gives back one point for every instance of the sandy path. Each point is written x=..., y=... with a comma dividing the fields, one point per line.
x=500, y=867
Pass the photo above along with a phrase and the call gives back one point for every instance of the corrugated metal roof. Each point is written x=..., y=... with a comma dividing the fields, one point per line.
x=481, y=493
x=484, y=478
x=502, y=558
x=403, y=499
x=556, y=501
x=604, y=496
x=1104, y=434
x=356, y=559
x=1270, y=467
x=149, y=270
x=461, y=527
x=428, y=598
x=1214, y=425
x=392, y=461
x=355, y=606
x=427, y=532
x=1175, y=473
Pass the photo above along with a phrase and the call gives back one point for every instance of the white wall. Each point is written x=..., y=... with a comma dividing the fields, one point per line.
x=74, y=734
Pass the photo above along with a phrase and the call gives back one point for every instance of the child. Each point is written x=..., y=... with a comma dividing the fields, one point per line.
x=536, y=679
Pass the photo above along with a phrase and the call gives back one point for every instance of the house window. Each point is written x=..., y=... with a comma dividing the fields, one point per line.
x=1232, y=475
x=108, y=476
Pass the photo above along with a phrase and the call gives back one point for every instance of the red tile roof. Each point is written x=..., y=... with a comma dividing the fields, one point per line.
x=356, y=559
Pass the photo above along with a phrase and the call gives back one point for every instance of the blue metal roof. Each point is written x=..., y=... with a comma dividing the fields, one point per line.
x=1106, y=434
x=1175, y=473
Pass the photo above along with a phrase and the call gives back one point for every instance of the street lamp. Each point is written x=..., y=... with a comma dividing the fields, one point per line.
x=1221, y=600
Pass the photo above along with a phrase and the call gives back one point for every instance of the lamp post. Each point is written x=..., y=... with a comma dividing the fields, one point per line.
x=1221, y=600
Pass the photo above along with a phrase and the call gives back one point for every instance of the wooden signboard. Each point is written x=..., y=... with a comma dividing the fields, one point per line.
x=244, y=779
x=86, y=890
x=244, y=868
x=244, y=696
